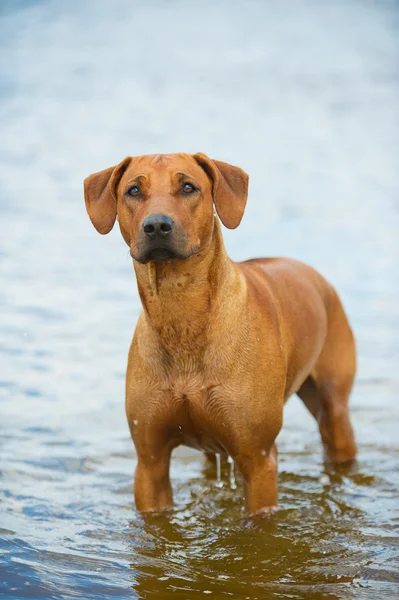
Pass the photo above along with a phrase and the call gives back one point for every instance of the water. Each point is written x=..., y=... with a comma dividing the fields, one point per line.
x=302, y=95
x=219, y=482
x=232, y=477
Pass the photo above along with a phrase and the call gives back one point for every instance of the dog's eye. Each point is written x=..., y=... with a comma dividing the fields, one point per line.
x=188, y=188
x=133, y=191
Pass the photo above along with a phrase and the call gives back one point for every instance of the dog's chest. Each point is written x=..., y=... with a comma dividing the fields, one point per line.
x=199, y=408
x=187, y=387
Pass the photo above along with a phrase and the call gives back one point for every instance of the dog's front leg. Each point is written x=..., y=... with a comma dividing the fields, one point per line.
x=259, y=470
x=152, y=488
x=149, y=423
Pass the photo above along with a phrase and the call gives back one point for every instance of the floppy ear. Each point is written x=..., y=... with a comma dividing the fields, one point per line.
x=230, y=189
x=100, y=196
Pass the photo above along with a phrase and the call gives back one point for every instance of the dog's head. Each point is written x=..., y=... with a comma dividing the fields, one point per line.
x=165, y=202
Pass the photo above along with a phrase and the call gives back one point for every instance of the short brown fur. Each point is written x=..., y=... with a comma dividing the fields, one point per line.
x=219, y=346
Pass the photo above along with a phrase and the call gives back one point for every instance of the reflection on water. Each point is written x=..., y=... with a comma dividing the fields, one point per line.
x=304, y=97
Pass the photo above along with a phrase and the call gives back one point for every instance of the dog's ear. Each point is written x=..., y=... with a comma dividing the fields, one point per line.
x=230, y=189
x=100, y=196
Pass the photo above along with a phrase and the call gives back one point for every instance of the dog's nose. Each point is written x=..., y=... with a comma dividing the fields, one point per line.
x=157, y=226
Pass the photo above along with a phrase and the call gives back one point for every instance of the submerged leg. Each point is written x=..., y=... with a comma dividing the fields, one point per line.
x=326, y=391
x=329, y=406
x=260, y=479
x=152, y=488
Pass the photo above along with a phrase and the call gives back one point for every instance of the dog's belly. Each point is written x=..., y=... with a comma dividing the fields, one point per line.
x=201, y=440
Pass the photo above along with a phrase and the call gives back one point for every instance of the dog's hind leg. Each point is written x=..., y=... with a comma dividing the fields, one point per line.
x=326, y=391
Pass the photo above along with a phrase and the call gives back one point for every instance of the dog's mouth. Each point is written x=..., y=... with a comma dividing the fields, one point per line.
x=160, y=255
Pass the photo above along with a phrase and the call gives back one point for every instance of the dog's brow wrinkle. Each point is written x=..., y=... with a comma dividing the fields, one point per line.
x=159, y=158
x=139, y=177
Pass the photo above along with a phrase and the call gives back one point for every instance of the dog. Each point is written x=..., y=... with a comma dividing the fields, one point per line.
x=219, y=346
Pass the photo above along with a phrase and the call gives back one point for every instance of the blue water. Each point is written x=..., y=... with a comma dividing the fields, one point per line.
x=304, y=96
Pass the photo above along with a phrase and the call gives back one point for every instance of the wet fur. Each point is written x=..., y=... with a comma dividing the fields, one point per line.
x=220, y=346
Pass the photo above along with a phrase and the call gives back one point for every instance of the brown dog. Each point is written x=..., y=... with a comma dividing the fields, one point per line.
x=219, y=346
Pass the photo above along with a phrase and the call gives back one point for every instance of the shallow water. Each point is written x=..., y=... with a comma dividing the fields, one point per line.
x=302, y=95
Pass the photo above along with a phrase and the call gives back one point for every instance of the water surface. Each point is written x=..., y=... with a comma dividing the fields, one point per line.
x=304, y=96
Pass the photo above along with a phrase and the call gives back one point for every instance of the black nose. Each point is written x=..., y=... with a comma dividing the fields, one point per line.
x=157, y=226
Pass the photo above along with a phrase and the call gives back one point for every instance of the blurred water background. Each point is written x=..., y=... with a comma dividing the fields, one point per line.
x=304, y=96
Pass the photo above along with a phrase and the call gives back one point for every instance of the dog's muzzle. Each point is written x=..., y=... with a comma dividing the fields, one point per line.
x=159, y=240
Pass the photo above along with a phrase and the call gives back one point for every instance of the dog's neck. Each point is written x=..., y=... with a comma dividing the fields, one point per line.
x=180, y=296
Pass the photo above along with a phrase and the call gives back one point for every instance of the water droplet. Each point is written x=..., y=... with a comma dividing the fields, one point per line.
x=135, y=422
x=263, y=452
x=219, y=482
x=232, y=478
x=324, y=479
